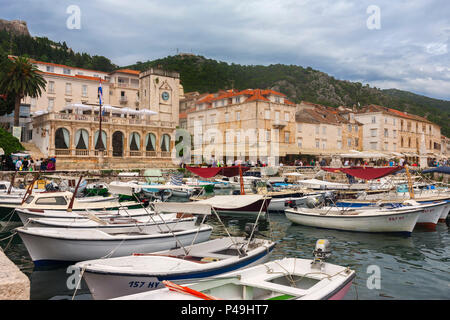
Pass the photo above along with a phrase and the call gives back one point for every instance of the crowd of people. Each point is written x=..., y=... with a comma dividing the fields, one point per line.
x=28, y=164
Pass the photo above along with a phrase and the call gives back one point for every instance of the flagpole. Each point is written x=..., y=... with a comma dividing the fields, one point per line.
x=100, y=133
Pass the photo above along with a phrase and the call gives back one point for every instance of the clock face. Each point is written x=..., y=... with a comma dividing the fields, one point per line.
x=165, y=96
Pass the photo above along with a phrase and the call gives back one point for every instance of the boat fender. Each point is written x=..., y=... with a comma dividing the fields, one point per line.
x=209, y=259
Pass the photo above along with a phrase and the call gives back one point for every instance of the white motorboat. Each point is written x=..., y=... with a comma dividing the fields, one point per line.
x=279, y=204
x=53, y=245
x=239, y=205
x=431, y=213
x=398, y=220
x=429, y=218
x=284, y=279
x=124, y=212
x=115, y=277
x=118, y=224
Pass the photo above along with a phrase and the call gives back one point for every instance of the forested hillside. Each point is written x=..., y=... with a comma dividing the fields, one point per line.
x=298, y=83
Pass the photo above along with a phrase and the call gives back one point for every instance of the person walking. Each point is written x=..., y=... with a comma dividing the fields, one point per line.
x=19, y=164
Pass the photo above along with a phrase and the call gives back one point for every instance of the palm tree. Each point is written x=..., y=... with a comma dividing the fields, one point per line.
x=20, y=78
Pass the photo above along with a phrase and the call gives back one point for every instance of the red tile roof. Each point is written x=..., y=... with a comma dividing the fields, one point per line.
x=252, y=94
x=77, y=76
x=393, y=112
x=129, y=71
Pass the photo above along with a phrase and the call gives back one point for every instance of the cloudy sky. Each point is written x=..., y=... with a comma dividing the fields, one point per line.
x=400, y=44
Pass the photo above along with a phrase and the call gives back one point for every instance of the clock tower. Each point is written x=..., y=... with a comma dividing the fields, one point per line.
x=159, y=92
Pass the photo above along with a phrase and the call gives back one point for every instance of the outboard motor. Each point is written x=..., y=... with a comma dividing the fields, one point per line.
x=329, y=198
x=321, y=252
x=312, y=202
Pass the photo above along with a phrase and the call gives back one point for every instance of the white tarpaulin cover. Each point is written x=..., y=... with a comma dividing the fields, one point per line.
x=231, y=201
x=183, y=207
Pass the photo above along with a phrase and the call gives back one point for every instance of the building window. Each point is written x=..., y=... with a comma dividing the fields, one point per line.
x=238, y=116
x=51, y=87
x=374, y=120
x=213, y=119
x=286, y=117
x=51, y=104
x=66, y=71
x=356, y=142
x=50, y=69
x=277, y=99
x=324, y=145
x=356, y=128
x=373, y=145
x=68, y=88
x=286, y=137
x=349, y=142
x=349, y=128
x=394, y=133
x=238, y=99
x=84, y=90
x=267, y=114
x=317, y=144
x=317, y=129
x=267, y=135
x=299, y=127
x=373, y=132
x=299, y=142
x=386, y=133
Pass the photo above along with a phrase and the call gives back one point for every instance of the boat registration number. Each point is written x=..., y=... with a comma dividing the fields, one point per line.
x=396, y=218
x=144, y=284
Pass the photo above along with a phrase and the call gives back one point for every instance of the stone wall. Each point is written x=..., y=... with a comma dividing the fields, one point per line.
x=14, y=285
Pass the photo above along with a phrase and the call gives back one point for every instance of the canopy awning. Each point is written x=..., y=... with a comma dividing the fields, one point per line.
x=366, y=173
x=445, y=170
x=183, y=207
x=211, y=172
x=109, y=108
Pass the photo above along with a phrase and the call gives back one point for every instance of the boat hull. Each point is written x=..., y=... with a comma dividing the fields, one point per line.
x=397, y=222
x=430, y=216
x=47, y=250
x=24, y=215
x=110, y=285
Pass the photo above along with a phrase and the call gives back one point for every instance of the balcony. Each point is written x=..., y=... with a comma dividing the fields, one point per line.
x=279, y=124
x=140, y=121
x=123, y=99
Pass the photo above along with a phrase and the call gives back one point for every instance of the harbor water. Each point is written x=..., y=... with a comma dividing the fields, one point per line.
x=387, y=266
